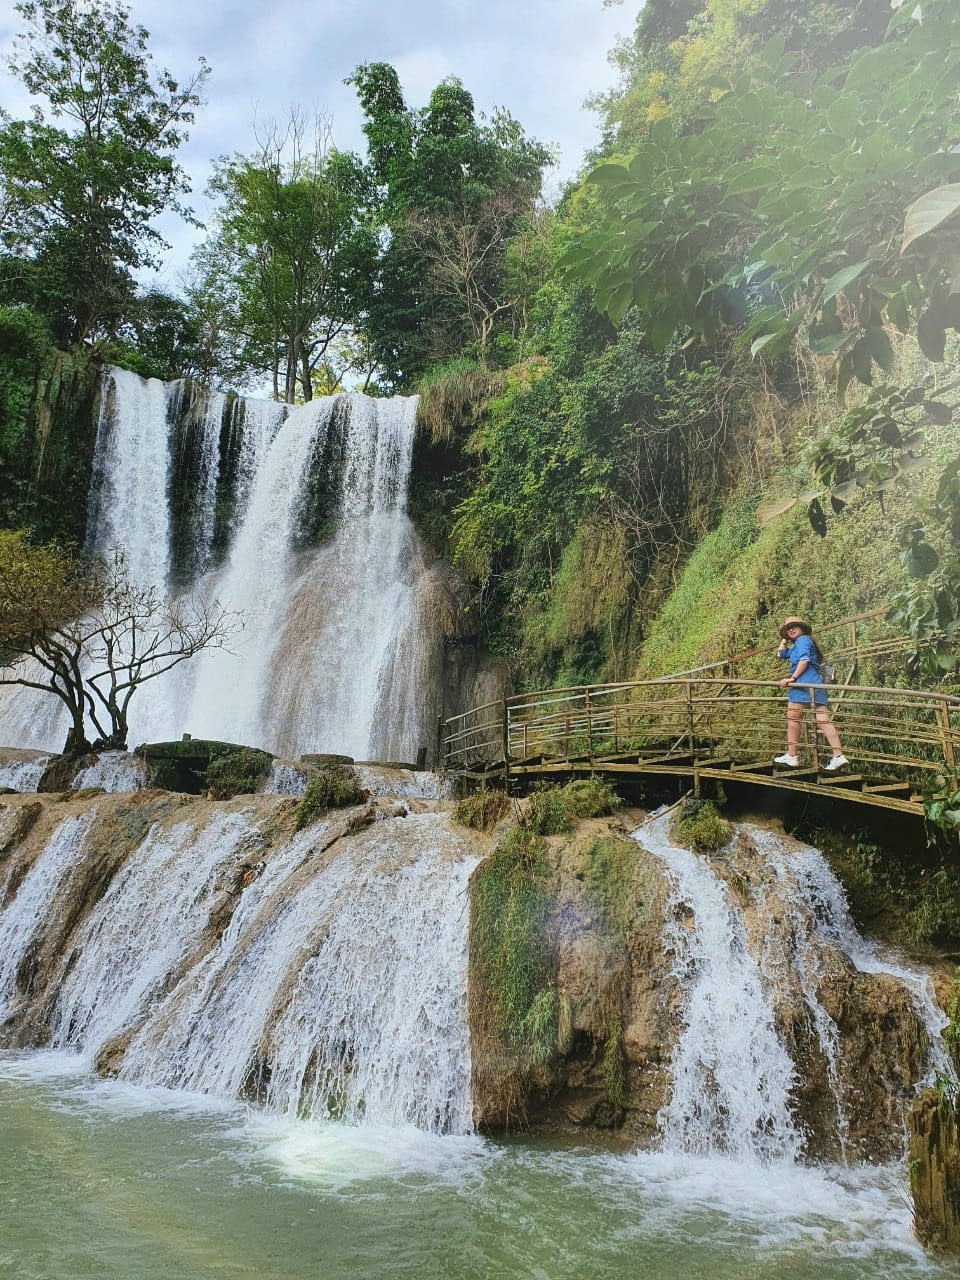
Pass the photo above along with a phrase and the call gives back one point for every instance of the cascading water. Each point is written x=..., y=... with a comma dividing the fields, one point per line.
x=113, y=772
x=23, y=775
x=339, y=649
x=758, y=935
x=131, y=467
x=30, y=910
x=326, y=975
x=823, y=891
x=732, y=1076
x=154, y=911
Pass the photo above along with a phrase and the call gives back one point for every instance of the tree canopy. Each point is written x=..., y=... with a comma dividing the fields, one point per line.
x=83, y=178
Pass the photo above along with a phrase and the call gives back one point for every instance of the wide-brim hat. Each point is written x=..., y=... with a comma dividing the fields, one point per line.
x=793, y=622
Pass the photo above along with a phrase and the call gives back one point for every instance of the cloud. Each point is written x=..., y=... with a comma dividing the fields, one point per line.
x=537, y=58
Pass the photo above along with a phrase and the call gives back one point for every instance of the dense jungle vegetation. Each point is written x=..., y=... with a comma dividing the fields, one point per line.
x=714, y=383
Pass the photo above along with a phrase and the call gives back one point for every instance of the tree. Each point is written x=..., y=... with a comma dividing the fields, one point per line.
x=290, y=264
x=452, y=192
x=91, y=637
x=84, y=177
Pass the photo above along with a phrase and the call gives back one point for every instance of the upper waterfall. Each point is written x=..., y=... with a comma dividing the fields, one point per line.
x=294, y=519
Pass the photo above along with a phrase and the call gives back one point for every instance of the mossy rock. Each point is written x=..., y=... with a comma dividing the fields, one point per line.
x=237, y=773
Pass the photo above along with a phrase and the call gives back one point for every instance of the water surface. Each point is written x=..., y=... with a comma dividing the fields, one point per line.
x=105, y=1179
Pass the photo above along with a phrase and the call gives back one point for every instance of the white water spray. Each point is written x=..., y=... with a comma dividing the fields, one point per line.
x=732, y=1076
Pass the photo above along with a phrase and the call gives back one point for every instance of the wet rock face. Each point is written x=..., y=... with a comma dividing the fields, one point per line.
x=856, y=1039
x=934, y=1165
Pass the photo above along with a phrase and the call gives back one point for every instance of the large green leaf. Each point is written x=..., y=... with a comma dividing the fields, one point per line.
x=837, y=283
x=610, y=175
x=930, y=212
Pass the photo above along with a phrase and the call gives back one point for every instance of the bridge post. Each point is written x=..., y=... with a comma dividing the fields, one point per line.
x=506, y=746
x=688, y=687
x=943, y=720
x=438, y=761
x=586, y=703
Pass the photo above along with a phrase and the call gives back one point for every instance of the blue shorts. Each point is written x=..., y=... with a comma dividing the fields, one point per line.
x=801, y=693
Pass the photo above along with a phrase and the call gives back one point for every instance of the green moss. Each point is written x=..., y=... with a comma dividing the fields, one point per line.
x=335, y=787
x=697, y=825
x=511, y=960
x=83, y=793
x=237, y=773
x=482, y=810
x=608, y=881
x=589, y=798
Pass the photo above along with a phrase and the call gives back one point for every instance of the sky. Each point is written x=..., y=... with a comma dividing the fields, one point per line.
x=538, y=58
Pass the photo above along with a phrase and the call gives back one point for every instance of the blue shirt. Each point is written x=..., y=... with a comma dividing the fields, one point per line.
x=801, y=648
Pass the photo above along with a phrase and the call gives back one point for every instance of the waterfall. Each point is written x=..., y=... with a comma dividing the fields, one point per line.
x=766, y=958
x=30, y=910
x=732, y=1076
x=154, y=911
x=131, y=466
x=292, y=519
x=338, y=988
x=23, y=775
x=322, y=975
x=832, y=922
x=112, y=771
x=256, y=584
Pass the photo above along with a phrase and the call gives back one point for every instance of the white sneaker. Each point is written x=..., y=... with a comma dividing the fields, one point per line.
x=836, y=763
x=790, y=761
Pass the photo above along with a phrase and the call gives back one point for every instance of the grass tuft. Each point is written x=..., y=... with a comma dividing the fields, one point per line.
x=236, y=773
x=332, y=788
x=482, y=810
x=699, y=826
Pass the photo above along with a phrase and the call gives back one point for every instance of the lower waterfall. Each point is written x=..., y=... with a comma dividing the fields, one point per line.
x=317, y=982
x=766, y=958
x=228, y=1046
x=731, y=1074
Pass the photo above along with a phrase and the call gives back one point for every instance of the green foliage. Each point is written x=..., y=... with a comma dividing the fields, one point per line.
x=511, y=960
x=589, y=798
x=951, y=1032
x=551, y=808
x=608, y=882
x=547, y=812
x=237, y=773
x=482, y=810
x=453, y=396
x=812, y=176
x=697, y=825
x=81, y=199
x=909, y=896
x=941, y=801
x=290, y=264
x=335, y=787
x=452, y=194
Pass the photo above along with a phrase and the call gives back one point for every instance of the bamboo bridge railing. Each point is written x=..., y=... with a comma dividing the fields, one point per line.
x=711, y=726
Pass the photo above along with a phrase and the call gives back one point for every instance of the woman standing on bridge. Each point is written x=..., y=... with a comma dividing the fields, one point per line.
x=798, y=647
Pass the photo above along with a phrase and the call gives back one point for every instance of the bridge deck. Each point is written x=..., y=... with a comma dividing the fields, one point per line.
x=719, y=728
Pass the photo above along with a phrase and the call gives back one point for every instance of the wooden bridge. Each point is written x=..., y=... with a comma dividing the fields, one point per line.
x=711, y=725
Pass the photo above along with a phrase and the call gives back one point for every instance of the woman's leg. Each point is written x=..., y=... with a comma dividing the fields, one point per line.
x=829, y=730
x=794, y=716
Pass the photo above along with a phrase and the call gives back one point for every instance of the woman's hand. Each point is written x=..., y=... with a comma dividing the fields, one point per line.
x=787, y=680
